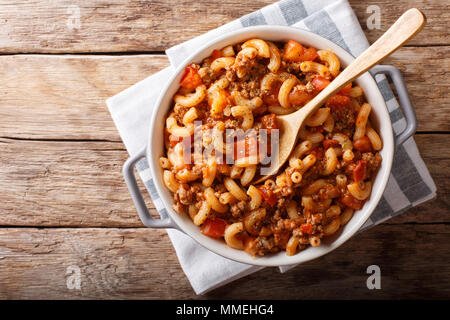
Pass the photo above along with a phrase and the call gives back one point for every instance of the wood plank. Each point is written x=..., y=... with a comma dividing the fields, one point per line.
x=80, y=184
x=140, y=263
x=49, y=26
x=424, y=76
x=58, y=184
x=434, y=32
x=63, y=97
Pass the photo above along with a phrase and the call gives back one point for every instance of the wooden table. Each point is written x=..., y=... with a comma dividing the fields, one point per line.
x=63, y=201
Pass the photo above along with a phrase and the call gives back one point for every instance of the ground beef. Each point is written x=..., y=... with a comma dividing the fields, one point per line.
x=309, y=87
x=344, y=118
x=265, y=245
x=231, y=124
x=243, y=65
x=177, y=205
x=250, y=89
x=187, y=194
x=237, y=209
x=197, y=169
x=373, y=163
x=287, y=225
x=311, y=175
x=276, y=215
x=231, y=76
x=207, y=75
x=316, y=218
x=281, y=203
x=293, y=67
x=220, y=188
x=249, y=86
x=179, y=111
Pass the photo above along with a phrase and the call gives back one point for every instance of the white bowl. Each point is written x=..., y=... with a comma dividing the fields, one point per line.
x=380, y=118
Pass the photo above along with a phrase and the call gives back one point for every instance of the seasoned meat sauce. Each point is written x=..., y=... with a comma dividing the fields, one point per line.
x=278, y=228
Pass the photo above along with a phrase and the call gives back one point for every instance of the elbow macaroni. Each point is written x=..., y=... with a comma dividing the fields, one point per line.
x=331, y=60
x=245, y=88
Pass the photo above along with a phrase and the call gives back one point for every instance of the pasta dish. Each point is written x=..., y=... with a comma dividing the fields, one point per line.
x=221, y=134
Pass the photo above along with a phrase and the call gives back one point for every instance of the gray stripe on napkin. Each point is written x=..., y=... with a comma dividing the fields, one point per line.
x=407, y=176
x=292, y=11
x=142, y=164
x=253, y=19
x=152, y=189
x=382, y=211
x=395, y=115
x=322, y=24
x=385, y=89
x=163, y=213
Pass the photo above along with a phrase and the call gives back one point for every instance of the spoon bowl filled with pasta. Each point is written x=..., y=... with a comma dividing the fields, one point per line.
x=214, y=132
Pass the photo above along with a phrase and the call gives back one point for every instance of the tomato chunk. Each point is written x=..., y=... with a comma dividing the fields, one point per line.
x=214, y=228
x=338, y=100
x=269, y=197
x=306, y=228
x=216, y=54
x=363, y=144
x=191, y=79
x=318, y=152
x=271, y=97
x=293, y=51
x=309, y=54
x=359, y=173
x=320, y=83
x=299, y=95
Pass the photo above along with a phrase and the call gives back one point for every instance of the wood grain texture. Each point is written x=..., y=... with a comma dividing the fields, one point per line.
x=64, y=184
x=63, y=97
x=63, y=201
x=434, y=32
x=141, y=263
x=80, y=184
x=138, y=25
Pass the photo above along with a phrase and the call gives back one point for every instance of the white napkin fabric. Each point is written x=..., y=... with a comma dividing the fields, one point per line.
x=409, y=184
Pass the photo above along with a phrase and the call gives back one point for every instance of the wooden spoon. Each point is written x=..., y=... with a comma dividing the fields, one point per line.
x=407, y=26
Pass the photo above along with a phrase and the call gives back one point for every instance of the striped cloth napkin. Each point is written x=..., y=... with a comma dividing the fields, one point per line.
x=409, y=184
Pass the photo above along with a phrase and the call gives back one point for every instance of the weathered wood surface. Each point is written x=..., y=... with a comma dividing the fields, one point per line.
x=80, y=184
x=63, y=97
x=63, y=201
x=118, y=26
x=141, y=263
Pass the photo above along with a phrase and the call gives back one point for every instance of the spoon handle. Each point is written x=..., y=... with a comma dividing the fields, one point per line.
x=408, y=25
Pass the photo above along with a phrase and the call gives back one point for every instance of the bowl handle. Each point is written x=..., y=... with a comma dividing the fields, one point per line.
x=405, y=101
x=136, y=195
